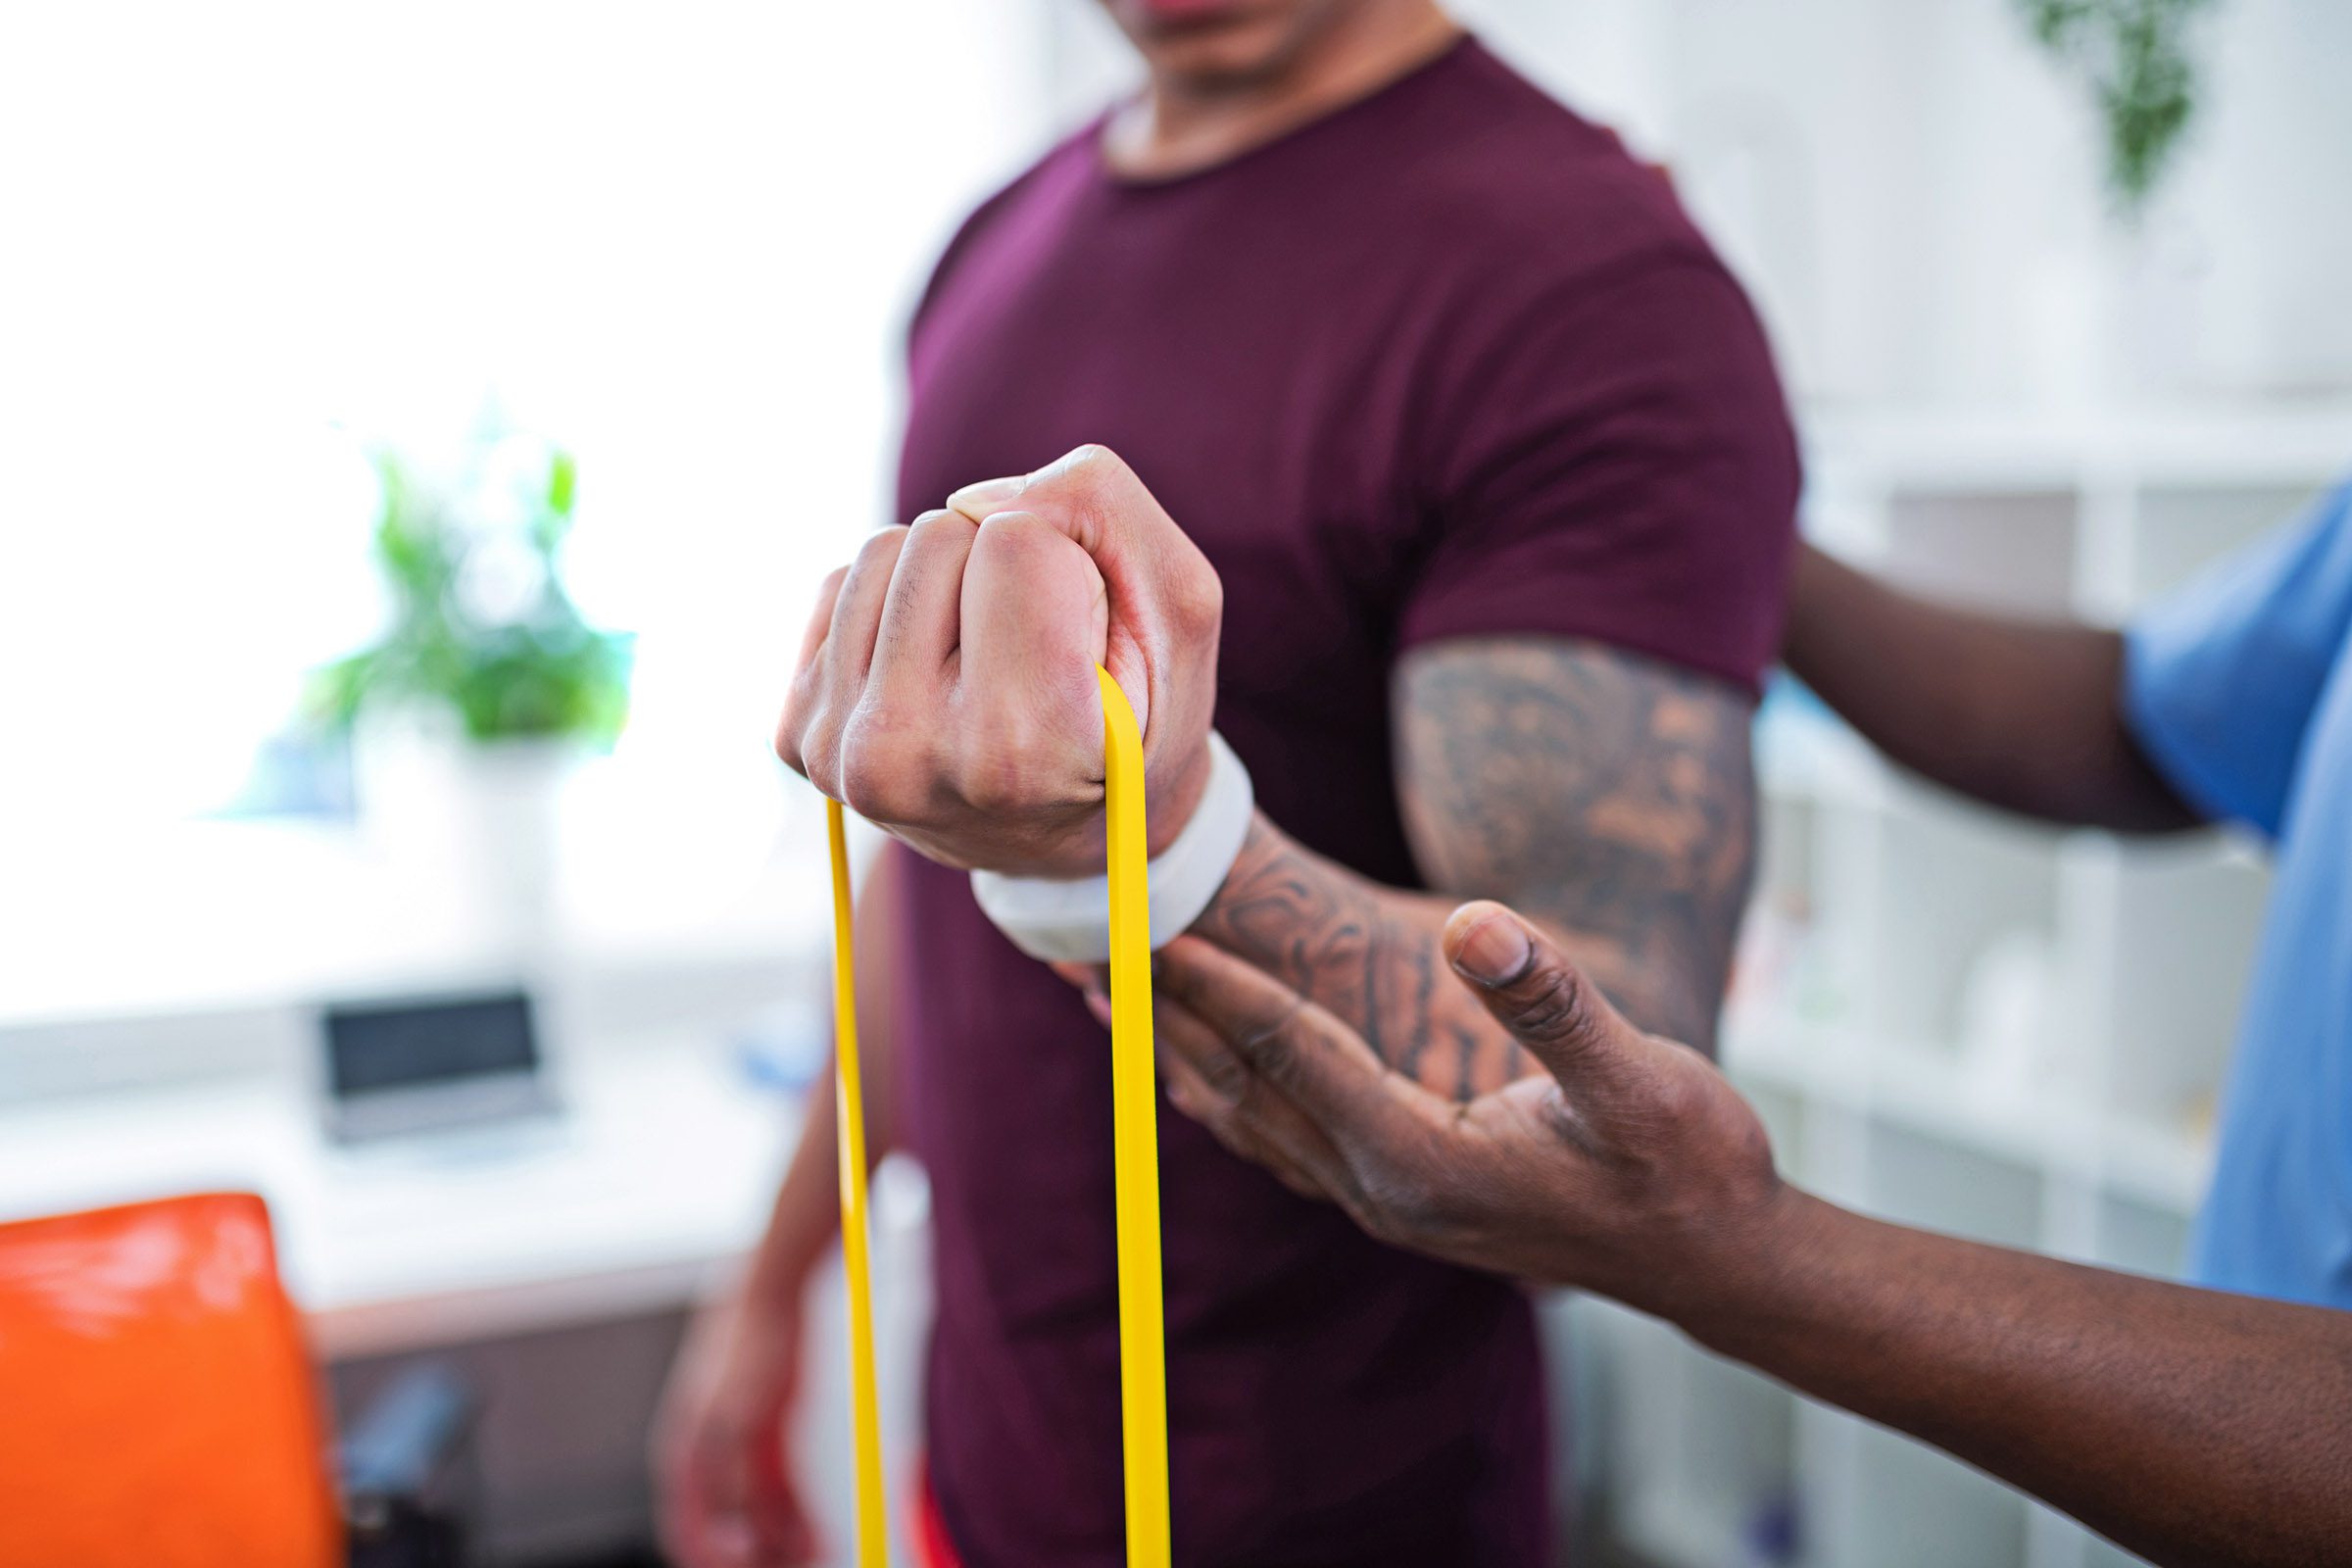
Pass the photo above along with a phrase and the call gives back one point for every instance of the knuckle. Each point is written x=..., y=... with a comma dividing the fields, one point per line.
x=820, y=621
x=997, y=781
x=935, y=529
x=1019, y=742
x=1083, y=478
x=1225, y=1075
x=1093, y=463
x=1196, y=597
x=791, y=725
x=1679, y=1095
x=880, y=549
x=881, y=772
x=1018, y=541
x=821, y=757
x=865, y=785
x=1554, y=1004
x=1271, y=1042
x=1404, y=1203
x=1225, y=1126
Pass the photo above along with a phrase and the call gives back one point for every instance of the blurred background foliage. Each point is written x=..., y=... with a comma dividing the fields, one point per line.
x=2135, y=55
x=481, y=626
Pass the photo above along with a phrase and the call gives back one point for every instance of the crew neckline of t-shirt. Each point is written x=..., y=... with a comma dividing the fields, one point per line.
x=1144, y=186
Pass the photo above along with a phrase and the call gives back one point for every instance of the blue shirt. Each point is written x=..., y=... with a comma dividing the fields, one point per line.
x=2240, y=687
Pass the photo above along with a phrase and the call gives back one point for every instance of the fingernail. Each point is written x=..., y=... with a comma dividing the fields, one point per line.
x=988, y=493
x=1494, y=951
x=1098, y=1005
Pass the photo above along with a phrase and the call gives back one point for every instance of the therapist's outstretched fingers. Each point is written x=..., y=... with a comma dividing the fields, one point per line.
x=1639, y=1171
x=1370, y=1116
x=1605, y=1067
x=1211, y=1087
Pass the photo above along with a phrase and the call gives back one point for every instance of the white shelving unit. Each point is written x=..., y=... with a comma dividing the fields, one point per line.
x=1953, y=1019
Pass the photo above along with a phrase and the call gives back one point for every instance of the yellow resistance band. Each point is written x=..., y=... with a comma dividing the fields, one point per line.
x=1135, y=1145
x=865, y=1416
x=1135, y=1138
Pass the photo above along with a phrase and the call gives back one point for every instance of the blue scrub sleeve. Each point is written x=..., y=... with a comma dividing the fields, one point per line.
x=2221, y=680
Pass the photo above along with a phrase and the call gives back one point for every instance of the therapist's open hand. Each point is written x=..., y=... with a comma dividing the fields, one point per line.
x=1630, y=1168
x=946, y=688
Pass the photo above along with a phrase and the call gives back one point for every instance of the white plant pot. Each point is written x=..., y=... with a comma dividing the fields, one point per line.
x=479, y=821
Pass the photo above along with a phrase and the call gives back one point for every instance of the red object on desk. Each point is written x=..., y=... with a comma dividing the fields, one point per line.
x=157, y=1403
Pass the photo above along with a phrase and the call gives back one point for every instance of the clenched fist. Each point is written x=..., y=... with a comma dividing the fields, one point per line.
x=945, y=689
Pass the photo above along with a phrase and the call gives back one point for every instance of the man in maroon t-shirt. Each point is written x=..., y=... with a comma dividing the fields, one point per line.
x=1487, y=452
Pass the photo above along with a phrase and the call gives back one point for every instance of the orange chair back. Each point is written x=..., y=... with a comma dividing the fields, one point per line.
x=157, y=1406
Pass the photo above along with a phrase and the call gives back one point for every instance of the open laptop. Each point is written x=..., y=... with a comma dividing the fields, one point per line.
x=409, y=1065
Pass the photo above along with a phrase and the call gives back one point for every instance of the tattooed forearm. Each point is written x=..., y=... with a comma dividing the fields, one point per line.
x=1608, y=795
x=1603, y=795
x=1341, y=940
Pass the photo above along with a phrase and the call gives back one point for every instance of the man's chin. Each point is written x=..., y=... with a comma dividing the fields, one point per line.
x=1208, y=45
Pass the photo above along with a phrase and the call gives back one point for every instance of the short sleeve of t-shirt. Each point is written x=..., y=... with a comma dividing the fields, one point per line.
x=1617, y=464
x=2221, y=680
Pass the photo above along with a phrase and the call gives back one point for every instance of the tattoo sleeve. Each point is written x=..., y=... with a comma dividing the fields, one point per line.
x=1606, y=794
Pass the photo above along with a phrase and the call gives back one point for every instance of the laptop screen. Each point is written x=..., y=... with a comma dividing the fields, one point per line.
x=428, y=1044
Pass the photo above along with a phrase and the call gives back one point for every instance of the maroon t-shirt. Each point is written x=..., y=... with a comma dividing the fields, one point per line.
x=1446, y=364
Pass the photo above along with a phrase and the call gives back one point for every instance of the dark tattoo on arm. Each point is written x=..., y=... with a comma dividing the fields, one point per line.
x=1608, y=795
x=1604, y=794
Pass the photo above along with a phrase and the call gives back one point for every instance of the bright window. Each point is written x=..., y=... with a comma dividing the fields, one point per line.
x=241, y=240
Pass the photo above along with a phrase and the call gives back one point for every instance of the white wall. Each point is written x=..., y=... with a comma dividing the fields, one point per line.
x=679, y=240
x=244, y=238
x=1912, y=190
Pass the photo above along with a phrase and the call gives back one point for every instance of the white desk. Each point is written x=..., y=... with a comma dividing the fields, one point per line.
x=657, y=1173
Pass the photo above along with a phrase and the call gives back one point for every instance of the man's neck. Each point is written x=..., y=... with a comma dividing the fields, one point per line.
x=1177, y=127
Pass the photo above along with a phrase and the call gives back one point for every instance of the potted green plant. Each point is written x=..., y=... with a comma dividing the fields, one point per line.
x=2135, y=57
x=2143, y=311
x=487, y=687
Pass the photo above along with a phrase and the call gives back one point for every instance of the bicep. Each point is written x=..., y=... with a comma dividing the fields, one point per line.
x=1608, y=795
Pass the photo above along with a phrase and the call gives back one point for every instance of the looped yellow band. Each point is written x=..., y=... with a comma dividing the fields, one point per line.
x=1135, y=1140
x=865, y=1416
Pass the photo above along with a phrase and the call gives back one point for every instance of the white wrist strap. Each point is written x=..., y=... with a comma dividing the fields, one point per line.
x=1069, y=921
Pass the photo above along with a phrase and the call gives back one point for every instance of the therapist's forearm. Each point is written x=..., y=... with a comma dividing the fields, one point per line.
x=2190, y=1426
x=2021, y=714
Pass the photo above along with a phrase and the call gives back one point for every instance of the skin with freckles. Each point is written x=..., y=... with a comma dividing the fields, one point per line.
x=2191, y=1427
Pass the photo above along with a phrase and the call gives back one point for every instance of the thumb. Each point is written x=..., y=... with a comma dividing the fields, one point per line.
x=1548, y=1007
x=1088, y=493
x=1166, y=599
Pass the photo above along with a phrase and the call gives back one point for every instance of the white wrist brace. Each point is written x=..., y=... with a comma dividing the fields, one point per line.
x=1069, y=921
